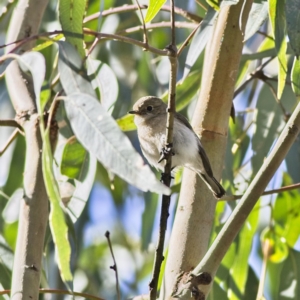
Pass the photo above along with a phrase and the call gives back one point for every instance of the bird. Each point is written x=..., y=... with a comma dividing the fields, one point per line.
x=150, y=117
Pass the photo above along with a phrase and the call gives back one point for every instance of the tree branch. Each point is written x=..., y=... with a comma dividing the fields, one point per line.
x=126, y=8
x=34, y=206
x=196, y=208
x=236, y=220
x=172, y=52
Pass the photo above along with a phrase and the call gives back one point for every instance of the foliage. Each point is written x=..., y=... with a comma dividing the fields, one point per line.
x=89, y=197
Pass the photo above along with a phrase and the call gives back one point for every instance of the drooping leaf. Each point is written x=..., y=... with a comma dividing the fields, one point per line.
x=295, y=77
x=186, y=89
x=293, y=24
x=239, y=268
x=153, y=8
x=100, y=134
x=269, y=122
x=73, y=75
x=126, y=123
x=83, y=187
x=278, y=22
x=71, y=15
x=257, y=16
x=199, y=40
x=278, y=248
x=72, y=159
x=105, y=80
x=58, y=225
x=34, y=63
x=6, y=263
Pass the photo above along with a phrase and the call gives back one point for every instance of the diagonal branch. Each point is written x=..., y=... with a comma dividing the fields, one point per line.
x=214, y=256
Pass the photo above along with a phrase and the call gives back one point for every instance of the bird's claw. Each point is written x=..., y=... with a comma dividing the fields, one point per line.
x=165, y=176
x=166, y=152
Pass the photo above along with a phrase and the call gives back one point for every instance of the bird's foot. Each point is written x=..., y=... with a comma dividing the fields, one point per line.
x=166, y=151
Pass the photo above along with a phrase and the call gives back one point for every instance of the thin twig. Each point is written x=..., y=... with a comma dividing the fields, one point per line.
x=114, y=267
x=270, y=192
x=162, y=24
x=10, y=140
x=255, y=74
x=106, y=36
x=187, y=40
x=60, y=292
x=166, y=176
x=145, y=37
x=126, y=8
x=10, y=123
x=101, y=36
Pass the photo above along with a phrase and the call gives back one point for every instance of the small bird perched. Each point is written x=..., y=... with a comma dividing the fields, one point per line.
x=150, y=119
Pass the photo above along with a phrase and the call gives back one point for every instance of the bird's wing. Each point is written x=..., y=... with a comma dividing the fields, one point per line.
x=205, y=160
x=203, y=155
x=183, y=120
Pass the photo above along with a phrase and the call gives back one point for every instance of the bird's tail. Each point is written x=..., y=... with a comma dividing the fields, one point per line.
x=213, y=185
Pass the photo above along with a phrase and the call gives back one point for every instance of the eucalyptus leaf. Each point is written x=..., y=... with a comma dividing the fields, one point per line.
x=295, y=77
x=34, y=63
x=278, y=22
x=199, y=40
x=71, y=15
x=83, y=187
x=293, y=24
x=153, y=8
x=257, y=16
x=105, y=80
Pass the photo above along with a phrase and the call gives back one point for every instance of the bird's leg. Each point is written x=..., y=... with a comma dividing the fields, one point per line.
x=165, y=176
x=166, y=151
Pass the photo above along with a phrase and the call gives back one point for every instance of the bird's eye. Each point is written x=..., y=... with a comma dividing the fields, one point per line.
x=149, y=108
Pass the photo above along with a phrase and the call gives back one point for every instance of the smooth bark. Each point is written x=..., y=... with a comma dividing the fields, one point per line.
x=34, y=207
x=196, y=207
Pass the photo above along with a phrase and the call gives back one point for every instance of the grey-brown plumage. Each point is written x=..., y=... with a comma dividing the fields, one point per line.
x=150, y=118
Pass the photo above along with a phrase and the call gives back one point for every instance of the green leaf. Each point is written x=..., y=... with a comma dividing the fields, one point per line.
x=72, y=159
x=83, y=187
x=278, y=22
x=257, y=16
x=278, y=247
x=71, y=13
x=185, y=90
x=286, y=213
x=269, y=122
x=295, y=77
x=126, y=123
x=148, y=218
x=73, y=75
x=58, y=225
x=288, y=277
x=215, y=4
x=100, y=134
x=105, y=80
x=239, y=268
x=199, y=40
x=6, y=263
x=153, y=8
x=293, y=24
x=34, y=62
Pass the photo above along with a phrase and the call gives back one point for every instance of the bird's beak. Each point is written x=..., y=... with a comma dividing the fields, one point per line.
x=133, y=112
